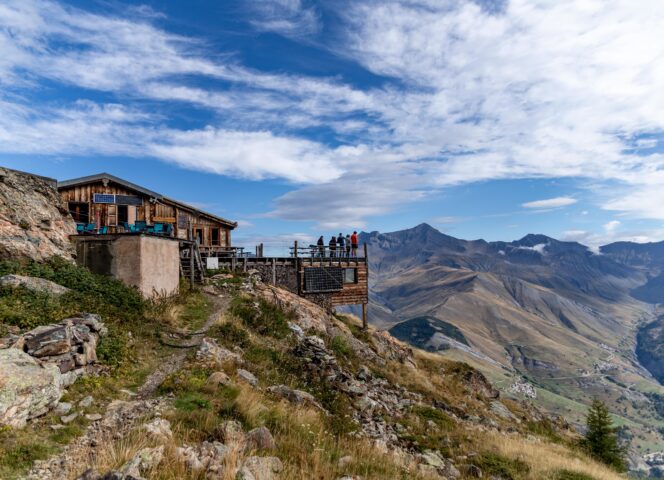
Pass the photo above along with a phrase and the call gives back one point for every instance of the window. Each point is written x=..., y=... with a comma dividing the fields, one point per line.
x=123, y=214
x=80, y=212
x=199, y=236
x=214, y=237
x=350, y=275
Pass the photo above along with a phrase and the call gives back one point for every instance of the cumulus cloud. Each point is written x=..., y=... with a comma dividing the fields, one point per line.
x=550, y=203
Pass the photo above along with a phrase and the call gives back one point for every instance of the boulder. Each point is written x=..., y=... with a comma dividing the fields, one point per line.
x=211, y=351
x=502, y=411
x=247, y=377
x=230, y=432
x=297, y=397
x=259, y=439
x=158, y=428
x=86, y=402
x=28, y=388
x=218, y=379
x=33, y=283
x=262, y=468
x=144, y=460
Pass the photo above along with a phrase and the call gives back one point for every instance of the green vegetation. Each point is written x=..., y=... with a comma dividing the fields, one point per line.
x=601, y=440
x=91, y=293
x=230, y=334
x=503, y=467
x=261, y=316
x=570, y=475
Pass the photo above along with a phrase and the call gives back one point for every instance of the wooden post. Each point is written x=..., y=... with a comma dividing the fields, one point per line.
x=244, y=264
x=364, y=316
x=274, y=271
x=364, y=305
x=191, y=265
x=295, y=249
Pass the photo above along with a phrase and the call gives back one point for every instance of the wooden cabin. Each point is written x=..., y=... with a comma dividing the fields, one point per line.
x=112, y=205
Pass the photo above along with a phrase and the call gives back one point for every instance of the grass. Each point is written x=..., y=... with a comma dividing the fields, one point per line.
x=131, y=350
x=261, y=316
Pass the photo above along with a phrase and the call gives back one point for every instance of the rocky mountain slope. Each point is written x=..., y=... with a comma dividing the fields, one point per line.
x=247, y=381
x=550, y=312
x=34, y=223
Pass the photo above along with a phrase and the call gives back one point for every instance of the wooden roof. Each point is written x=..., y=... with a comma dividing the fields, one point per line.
x=100, y=177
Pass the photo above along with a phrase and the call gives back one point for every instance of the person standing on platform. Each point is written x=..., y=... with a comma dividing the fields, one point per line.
x=321, y=247
x=341, y=244
x=354, y=243
x=333, y=246
x=348, y=245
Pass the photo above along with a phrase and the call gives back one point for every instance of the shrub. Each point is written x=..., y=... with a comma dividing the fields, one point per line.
x=435, y=415
x=261, y=316
x=229, y=333
x=503, y=467
x=340, y=346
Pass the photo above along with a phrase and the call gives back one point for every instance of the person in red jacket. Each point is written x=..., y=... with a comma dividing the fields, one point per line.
x=354, y=244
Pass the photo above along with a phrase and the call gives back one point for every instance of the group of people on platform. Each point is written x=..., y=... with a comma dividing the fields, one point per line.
x=340, y=246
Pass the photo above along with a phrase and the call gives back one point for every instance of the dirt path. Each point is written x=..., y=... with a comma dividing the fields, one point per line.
x=121, y=416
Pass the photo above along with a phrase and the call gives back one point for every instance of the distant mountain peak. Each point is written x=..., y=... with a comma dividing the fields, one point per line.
x=533, y=239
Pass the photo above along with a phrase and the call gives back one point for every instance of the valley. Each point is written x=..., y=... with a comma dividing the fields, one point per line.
x=538, y=311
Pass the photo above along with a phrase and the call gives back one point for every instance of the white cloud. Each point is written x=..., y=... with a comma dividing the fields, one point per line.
x=480, y=91
x=612, y=226
x=290, y=18
x=550, y=203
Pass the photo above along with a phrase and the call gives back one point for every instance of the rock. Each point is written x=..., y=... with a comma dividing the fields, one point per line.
x=218, y=378
x=502, y=411
x=89, y=474
x=263, y=468
x=69, y=418
x=451, y=471
x=345, y=461
x=211, y=351
x=28, y=389
x=230, y=432
x=259, y=439
x=86, y=402
x=244, y=474
x=159, y=428
x=479, y=384
x=296, y=329
x=297, y=397
x=389, y=348
x=34, y=221
x=145, y=459
x=62, y=408
x=33, y=283
x=94, y=417
x=247, y=377
x=433, y=458
x=471, y=470
x=207, y=457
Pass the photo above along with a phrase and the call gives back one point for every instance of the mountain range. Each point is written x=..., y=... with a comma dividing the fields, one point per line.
x=571, y=322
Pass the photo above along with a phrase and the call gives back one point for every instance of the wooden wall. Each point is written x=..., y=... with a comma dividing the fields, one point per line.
x=102, y=214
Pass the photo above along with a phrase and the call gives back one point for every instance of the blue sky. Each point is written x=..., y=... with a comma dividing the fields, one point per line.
x=486, y=119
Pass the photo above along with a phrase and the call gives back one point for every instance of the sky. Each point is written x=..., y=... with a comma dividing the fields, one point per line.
x=484, y=118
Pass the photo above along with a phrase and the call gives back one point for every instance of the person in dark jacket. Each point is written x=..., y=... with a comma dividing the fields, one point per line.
x=321, y=246
x=348, y=245
x=341, y=243
x=333, y=246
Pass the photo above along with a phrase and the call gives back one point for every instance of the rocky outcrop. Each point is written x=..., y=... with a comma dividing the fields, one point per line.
x=33, y=283
x=36, y=366
x=28, y=388
x=70, y=344
x=34, y=222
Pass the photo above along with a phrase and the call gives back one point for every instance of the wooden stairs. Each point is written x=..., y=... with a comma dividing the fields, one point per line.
x=191, y=263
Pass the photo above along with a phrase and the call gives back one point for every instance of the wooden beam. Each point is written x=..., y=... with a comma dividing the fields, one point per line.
x=364, y=316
